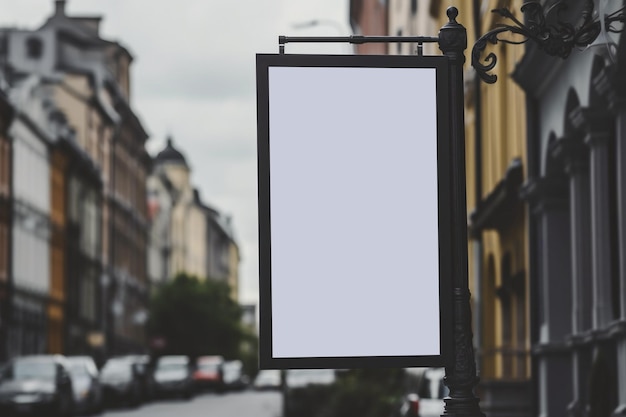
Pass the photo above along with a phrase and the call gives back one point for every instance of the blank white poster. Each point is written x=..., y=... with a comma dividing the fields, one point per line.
x=354, y=212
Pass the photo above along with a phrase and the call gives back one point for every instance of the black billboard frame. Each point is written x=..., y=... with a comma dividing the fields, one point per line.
x=444, y=165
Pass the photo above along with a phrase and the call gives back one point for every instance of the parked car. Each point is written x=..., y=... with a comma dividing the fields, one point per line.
x=233, y=376
x=85, y=383
x=121, y=382
x=173, y=375
x=267, y=379
x=38, y=384
x=208, y=372
x=145, y=373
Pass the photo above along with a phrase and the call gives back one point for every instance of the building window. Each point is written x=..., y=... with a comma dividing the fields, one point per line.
x=520, y=298
x=88, y=295
x=506, y=306
x=4, y=166
x=489, y=353
x=613, y=212
x=4, y=46
x=100, y=146
x=399, y=45
x=4, y=252
x=34, y=47
x=413, y=6
x=435, y=6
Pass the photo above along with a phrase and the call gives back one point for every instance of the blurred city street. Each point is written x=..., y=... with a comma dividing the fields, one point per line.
x=238, y=404
x=415, y=208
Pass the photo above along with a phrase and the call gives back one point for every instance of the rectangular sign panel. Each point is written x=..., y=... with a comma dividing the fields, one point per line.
x=353, y=211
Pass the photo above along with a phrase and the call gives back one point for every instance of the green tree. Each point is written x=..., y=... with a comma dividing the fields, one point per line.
x=196, y=317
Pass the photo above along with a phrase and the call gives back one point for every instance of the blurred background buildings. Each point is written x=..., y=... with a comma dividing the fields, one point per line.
x=89, y=221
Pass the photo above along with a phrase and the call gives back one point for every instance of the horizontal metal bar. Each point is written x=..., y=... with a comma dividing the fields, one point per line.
x=356, y=39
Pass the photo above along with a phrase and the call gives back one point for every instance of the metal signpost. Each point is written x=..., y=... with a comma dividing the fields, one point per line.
x=332, y=297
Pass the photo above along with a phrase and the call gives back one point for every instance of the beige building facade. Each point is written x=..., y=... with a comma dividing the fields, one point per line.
x=188, y=221
x=201, y=240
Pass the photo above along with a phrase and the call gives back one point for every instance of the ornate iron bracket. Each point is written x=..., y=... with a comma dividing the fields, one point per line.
x=553, y=35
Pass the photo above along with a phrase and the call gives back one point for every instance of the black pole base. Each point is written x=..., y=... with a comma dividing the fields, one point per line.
x=472, y=404
x=463, y=404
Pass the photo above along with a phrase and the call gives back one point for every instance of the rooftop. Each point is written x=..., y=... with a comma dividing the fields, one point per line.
x=170, y=155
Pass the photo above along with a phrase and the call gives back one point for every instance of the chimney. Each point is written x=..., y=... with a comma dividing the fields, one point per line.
x=59, y=7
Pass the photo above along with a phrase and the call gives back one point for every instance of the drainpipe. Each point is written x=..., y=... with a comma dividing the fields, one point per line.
x=9, y=323
x=108, y=317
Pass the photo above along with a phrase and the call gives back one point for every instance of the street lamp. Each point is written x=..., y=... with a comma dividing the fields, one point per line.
x=314, y=23
x=320, y=22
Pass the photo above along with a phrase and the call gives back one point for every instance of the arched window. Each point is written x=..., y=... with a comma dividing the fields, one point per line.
x=599, y=100
x=506, y=304
x=489, y=320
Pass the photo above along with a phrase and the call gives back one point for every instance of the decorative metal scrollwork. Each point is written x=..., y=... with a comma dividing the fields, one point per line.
x=552, y=34
x=617, y=16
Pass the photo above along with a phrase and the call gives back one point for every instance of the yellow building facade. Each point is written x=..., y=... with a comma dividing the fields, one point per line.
x=499, y=272
x=499, y=218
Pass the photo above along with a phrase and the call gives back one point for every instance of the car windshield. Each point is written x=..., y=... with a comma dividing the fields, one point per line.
x=268, y=376
x=77, y=368
x=301, y=377
x=31, y=369
x=171, y=366
x=117, y=368
x=209, y=367
x=232, y=367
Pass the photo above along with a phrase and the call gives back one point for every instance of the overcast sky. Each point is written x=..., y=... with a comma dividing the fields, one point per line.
x=193, y=77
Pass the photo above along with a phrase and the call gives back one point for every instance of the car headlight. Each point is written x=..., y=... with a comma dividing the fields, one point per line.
x=33, y=397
